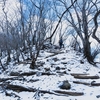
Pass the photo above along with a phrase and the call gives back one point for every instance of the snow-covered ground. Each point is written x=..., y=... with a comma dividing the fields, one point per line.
x=62, y=64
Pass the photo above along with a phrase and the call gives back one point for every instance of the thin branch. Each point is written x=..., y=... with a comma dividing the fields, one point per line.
x=60, y=20
x=35, y=5
x=96, y=27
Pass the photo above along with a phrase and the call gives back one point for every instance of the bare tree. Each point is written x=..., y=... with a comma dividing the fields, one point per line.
x=6, y=32
x=42, y=26
x=9, y=33
x=80, y=16
x=29, y=32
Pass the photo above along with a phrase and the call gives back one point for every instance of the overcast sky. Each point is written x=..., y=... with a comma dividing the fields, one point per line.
x=10, y=7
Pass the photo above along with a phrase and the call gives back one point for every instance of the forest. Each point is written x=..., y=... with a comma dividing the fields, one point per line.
x=30, y=54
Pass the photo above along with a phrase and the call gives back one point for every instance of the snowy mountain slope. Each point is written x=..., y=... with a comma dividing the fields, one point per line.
x=55, y=66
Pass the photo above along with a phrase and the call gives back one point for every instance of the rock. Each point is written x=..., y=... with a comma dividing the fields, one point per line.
x=63, y=68
x=82, y=62
x=65, y=85
x=63, y=58
x=47, y=69
x=69, y=70
x=55, y=59
x=58, y=68
x=98, y=96
x=40, y=63
x=64, y=62
x=47, y=59
x=99, y=72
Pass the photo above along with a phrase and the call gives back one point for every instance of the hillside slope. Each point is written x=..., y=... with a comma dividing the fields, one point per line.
x=54, y=67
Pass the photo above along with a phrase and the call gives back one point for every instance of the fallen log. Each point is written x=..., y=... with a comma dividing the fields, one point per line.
x=78, y=82
x=17, y=78
x=22, y=74
x=11, y=78
x=63, y=93
x=18, y=88
x=95, y=84
x=30, y=73
x=86, y=77
x=55, y=53
x=70, y=93
x=77, y=74
x=48, y=73
x=89, y=84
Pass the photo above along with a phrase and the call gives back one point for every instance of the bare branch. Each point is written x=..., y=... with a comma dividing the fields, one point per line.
x=60, y=20
x=96, y=27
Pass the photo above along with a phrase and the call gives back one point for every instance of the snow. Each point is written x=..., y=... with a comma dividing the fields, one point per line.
x=72, y=64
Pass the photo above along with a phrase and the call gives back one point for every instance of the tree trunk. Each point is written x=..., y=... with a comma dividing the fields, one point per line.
x=34, y=58
x=33, y=63
x=87, y=51
x=8, y=58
